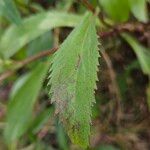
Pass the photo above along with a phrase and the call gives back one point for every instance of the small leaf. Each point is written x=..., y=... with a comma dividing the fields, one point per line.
x=73, y=80
x=143, y=54
x=22, y=102
x=31, y=28
x=139, y=9
x=11, y=12
x=118, y=10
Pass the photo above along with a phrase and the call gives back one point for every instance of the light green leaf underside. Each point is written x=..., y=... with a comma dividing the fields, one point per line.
x=139, y=9
x=118, y=10
x=143, y=54
x=73, y=80
x=22, y=102
x=10, y=11
x=1, y=8
x=16, y=37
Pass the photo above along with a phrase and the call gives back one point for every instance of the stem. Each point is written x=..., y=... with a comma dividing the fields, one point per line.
x=127, y=27
x=37, y=56
x=115, y=87
x=26, y=61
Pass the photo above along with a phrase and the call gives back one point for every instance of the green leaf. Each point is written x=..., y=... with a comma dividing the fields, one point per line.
x=62, y=137
x=143, y=54
x=73, y=80
x=107, y=147
x=22, y=102
x=118, y=10
x=139, y=9
x=31, y=28
x=42, y=43
x=1, y=8
x=17, y=85
x=39, y=121
x=11, y=12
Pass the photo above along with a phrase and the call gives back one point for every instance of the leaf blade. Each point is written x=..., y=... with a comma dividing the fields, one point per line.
x=74, y=64
x=31, y=28
x=22, y=102
x=139, y=10
x=114, y=7
x=142, y=53
x=11, y=11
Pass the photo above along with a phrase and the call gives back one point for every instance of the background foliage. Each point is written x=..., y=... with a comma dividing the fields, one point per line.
x=32, y=30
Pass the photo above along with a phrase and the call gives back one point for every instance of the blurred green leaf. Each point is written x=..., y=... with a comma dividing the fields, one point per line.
x=42, y=146
x=21, y=104
x=139, y=9
x=107, y=147
x=62, y=137
x=44, y=42
x=118, y=10
x=94, y=2
x=143, y=54
x=64, y=5
x=30, y=147
x=1, y=7
x=42, y=118
x=18, y=84
x=37, y=7
x=33, y=27
x=11, y=12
